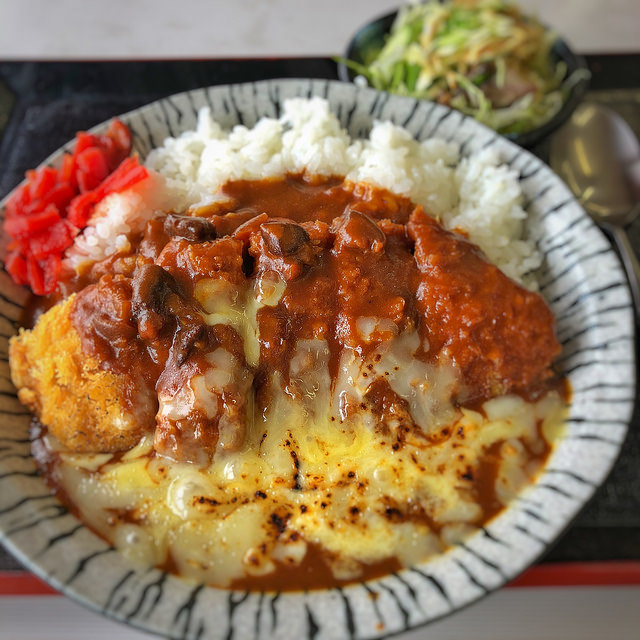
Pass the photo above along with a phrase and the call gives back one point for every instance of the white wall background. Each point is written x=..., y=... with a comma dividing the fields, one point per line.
x=122, y=29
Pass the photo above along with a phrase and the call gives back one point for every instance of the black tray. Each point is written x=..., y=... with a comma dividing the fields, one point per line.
x=43, y=104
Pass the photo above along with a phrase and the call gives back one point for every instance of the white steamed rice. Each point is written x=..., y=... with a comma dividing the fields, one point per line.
x=476, y=194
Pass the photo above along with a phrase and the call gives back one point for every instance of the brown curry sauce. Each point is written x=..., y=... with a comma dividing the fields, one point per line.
x=345, y=252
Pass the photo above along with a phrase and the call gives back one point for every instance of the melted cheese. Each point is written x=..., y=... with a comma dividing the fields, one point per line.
x=306, y=475
x=317, y=466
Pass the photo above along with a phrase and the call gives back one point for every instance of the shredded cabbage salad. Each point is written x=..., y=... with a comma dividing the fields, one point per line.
x=482, y=57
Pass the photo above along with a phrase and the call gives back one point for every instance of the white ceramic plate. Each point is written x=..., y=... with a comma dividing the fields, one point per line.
x=581, y=279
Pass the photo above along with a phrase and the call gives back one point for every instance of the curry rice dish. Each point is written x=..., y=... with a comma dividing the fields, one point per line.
x=305, y=382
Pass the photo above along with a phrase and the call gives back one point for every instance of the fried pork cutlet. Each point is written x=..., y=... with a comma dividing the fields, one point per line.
x=82, y=405
x=499, y=335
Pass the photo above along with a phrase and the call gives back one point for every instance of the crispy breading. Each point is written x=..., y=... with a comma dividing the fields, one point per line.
x=81, y=404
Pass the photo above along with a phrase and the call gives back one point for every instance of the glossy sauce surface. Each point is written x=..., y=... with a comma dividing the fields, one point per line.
x=345, y=252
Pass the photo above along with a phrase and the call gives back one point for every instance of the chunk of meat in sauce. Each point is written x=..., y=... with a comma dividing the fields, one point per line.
x=202, y=390
x=159, y=231
x=191, y=228
x=283, y=246
x=203, y=407
x=500, y=335
x=190, y=262
x=375, y=275
x=170, y=324
x=297, y=253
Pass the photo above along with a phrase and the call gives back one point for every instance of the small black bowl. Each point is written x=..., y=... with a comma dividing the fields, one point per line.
x=371, y=37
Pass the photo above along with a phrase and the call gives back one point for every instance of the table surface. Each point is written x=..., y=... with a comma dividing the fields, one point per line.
x=43, y=103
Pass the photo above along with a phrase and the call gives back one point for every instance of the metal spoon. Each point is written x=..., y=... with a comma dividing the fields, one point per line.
x=598, y=156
